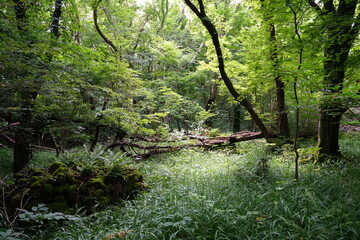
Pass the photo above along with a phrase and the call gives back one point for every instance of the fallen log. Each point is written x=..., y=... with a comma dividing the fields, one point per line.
x=204, y=142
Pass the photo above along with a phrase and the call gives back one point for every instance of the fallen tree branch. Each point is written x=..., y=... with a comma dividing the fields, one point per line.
x=204, y=142
x=7, y=127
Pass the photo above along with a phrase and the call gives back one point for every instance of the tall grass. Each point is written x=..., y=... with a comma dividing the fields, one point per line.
x=220, y=195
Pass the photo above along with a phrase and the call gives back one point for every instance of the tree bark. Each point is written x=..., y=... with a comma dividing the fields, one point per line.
x=102, y=35
x=237, y=119
x=342, y=28
x=22, y=147
x=20, y=14
x=210, y=104
x=97, y=128
x=55, y=24
x=282, y=119
x=210, y=27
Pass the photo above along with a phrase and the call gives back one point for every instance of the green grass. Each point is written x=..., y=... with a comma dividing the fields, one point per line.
x=220, y=195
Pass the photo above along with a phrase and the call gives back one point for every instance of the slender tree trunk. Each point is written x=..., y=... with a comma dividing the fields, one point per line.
x=142, y=29
x=237, y=119
x=162, y=14
x=210, y=104
x=297, y=111
x=97, y=128
x=282, y=118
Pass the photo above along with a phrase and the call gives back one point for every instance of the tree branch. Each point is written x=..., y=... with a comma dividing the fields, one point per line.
x=109, y=42
x=193, y=8
x=216, y=42
x=201, y=5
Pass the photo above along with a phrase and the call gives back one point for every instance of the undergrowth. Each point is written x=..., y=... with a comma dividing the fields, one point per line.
x=198, y=194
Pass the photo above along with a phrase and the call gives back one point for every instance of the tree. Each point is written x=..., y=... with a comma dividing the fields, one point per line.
x=201, y=14
x=282, y=118
x=22, y=146
x=341, y=29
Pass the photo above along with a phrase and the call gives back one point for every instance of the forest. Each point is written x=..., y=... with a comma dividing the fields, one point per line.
x=179, y=119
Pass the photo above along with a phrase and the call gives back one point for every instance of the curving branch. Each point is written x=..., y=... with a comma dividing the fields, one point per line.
x=201, y=14
x=109, y=42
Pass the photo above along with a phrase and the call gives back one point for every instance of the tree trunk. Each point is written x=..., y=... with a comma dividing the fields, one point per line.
x=22, y=146
x=55, y=24
x=210, y=104
x=237, y=119
x=98, y=126
x=282, y=119
x=329, y=135
x=342, y=29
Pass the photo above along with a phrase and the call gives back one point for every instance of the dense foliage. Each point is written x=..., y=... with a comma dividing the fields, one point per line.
x=77, y=75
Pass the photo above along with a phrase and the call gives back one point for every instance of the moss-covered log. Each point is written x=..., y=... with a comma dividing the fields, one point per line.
x=63, y=188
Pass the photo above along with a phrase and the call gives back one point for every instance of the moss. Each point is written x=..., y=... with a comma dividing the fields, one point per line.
x=86, y=172
x=71, y=177
x=133, y=177
x=103, y=201
x=61, y=189
x=61, y=170
x=59, y=179
x=71, y=194
x=22, y=181
x=56, y=165
x=98, y=193
x=48, y=188
x=118, y=170
x=96, y=183
x=36, y=188
x=37, y=172
x=37, y=179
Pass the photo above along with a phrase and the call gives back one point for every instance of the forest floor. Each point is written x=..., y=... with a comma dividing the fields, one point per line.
x=242, y=193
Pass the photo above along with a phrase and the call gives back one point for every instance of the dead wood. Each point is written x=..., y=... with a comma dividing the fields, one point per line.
x=8, y=127
x=203, y=142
